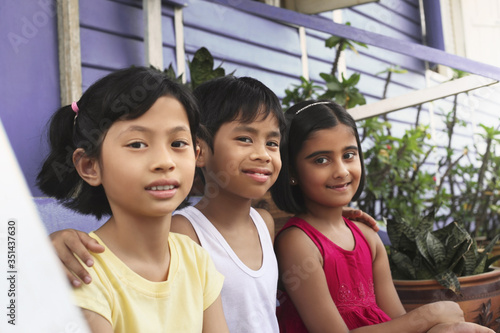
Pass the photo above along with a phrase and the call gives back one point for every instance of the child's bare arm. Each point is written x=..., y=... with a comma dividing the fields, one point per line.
x=96, y=322
x=460, y=328
x=213, y=318
x=70, y=242
x=360, y=216
x=386, y=295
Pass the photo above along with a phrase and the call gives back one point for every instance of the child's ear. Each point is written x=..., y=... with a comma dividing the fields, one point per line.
x=203, y=150
x=87, y=167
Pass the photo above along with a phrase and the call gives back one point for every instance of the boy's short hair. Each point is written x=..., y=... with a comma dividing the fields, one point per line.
x=228, y=98
x=303, y=119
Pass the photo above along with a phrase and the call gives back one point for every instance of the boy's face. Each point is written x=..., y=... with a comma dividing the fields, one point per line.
x=246, y=158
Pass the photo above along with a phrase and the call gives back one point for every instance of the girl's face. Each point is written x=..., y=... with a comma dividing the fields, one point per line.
x=328, y=167
x=147, y=164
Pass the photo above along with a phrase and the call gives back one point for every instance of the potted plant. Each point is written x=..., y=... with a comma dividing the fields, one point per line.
x=429, y=264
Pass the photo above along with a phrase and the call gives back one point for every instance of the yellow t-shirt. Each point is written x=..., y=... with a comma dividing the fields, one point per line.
x=133, y=304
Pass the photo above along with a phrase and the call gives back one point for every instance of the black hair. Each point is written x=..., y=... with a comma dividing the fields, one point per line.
x=303, y=119
x=228, y=98
x=122, y=95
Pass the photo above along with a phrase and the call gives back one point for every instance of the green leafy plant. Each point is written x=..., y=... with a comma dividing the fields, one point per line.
x=342, y=91
x=201, y=69
x=418, y=252
x=340, y=44
x=397, y=182
x=301, y=92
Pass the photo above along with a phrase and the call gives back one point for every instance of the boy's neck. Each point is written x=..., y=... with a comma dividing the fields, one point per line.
x=225, y=211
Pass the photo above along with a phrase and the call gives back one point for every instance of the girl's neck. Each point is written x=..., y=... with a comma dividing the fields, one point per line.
x=323, y=215
x=332, y=225
x=139, y=242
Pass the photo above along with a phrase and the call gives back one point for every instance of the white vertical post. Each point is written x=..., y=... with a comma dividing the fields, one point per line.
x=341, y=65
x=180, y=52
x=153, y=43
x=303, y=49
x=70, y=63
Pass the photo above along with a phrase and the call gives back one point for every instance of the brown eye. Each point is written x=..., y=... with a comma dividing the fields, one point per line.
x=137, y=145
x=179, y=144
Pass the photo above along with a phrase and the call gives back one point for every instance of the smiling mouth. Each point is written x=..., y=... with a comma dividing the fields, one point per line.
x=160, y=188
x=266, y=173
x=339, y=186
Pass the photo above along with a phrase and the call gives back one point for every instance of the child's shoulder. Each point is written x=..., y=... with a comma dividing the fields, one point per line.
x=268, y=220
x=365, y=229
x=181, y=225
x=371, y=235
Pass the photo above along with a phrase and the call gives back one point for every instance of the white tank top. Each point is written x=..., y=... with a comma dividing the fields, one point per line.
x=248, y=296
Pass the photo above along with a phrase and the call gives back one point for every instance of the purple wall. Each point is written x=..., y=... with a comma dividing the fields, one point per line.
x=29, y=78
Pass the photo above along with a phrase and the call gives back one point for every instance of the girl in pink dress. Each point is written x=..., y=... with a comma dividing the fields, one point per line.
x=334, y=273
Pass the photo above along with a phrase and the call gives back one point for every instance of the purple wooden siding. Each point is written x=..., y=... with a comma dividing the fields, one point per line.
x=29, y=79
x=112, y=37
x=267, y=50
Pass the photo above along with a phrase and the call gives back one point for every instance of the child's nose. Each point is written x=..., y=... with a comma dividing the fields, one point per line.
x=261, y=153
x=162, y=160
x=340, y=172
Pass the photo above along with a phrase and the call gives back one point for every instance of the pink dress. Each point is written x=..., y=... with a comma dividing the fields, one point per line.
x=350, y=281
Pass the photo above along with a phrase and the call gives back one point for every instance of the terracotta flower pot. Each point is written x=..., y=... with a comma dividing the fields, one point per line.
x=479, y=299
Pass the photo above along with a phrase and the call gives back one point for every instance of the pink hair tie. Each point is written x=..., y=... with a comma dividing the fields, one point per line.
x=75, y=108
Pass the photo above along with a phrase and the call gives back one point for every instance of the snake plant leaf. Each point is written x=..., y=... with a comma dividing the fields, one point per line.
x=470, y=259
x=482, y=259
x=421, y=242
x=459, y=267
x=452, y=234
x=449, y=280
x=491, y=260
x=427, y=222
x=435, y=246
x=457, y=242
x=401, y=234
x=481, y=265
x=491, y=244
x=404, y=265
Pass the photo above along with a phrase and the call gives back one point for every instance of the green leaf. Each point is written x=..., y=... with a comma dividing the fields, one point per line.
x=404, y=264
x=334, y=86
x=332, y=41
x=448, y=280
x=201, y=68
x=438, y=251
x=353, y=79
